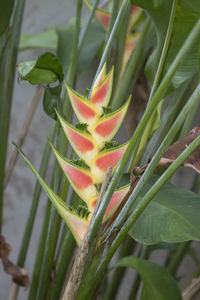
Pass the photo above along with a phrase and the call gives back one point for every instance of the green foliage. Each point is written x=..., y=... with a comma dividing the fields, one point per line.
x=158, y=283
x=172, y=216
x=79, y=162
x=107, y=110
x=82, y=126
x=6, y=8
x=46, y=69
x=110, y=145
x=185, y=14
x=50, y=100
x=47, y=39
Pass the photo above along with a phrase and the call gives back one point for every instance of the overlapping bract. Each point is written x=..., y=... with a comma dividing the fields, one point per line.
x=90, y=140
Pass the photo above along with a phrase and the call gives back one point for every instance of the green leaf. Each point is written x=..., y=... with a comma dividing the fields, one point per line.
x=6, y=8
x=185, y=18
x=91, y=45
x=125, y=179
x=47, y=39
x=158, y=284
x=172, y=216
x=51, y=100
x=65, y=40
x=46, y=69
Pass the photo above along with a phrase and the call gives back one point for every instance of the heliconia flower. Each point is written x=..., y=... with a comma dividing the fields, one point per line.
x=92, y=142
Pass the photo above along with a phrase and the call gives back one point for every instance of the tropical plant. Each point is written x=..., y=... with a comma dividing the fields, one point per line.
x=122, y=201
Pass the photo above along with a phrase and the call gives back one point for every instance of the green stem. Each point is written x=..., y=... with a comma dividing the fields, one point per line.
x=40, y=253
x=134, y=66
x=164, y=50
x=168, y=118
x=108, y=46
x=148, y=130
x=113, y=16
x=101, y=266
x=35, y=201
x=136, y=282
x=152, y=106
x=178, y=257
x=114, y=284
x=152, y=192
x=121, y=40
x=74, y=51
x=64, y=257
x=87, y=25
x=7, y=74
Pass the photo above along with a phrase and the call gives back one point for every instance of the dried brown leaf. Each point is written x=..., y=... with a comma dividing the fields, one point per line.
x=193, y=161
x=19, y=275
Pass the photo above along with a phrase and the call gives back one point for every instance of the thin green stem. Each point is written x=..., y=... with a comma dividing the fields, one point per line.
x=64, y=257
x=84, y=292
x=152, y=106
x=51, y=240
x=136, y=282
x=153, y=191
x=168, y=118
x=164, y=50
x=7, y=74
x=113, y=16
x=177, y=257
x=148, y=130
x=74, y=51
x=40, y=253
x=35, y=201
x=134, y=66
x=114, y=284
x=138, y=211
x=109, y=44
x=121, y=41
x=87, y=25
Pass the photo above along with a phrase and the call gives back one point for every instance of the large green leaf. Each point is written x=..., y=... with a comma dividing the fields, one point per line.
x=6, y=8
x=172, y=216
x=185, y=18
x=47, y=39
x=158, y=284
x=46, y=69
x=89, y=49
